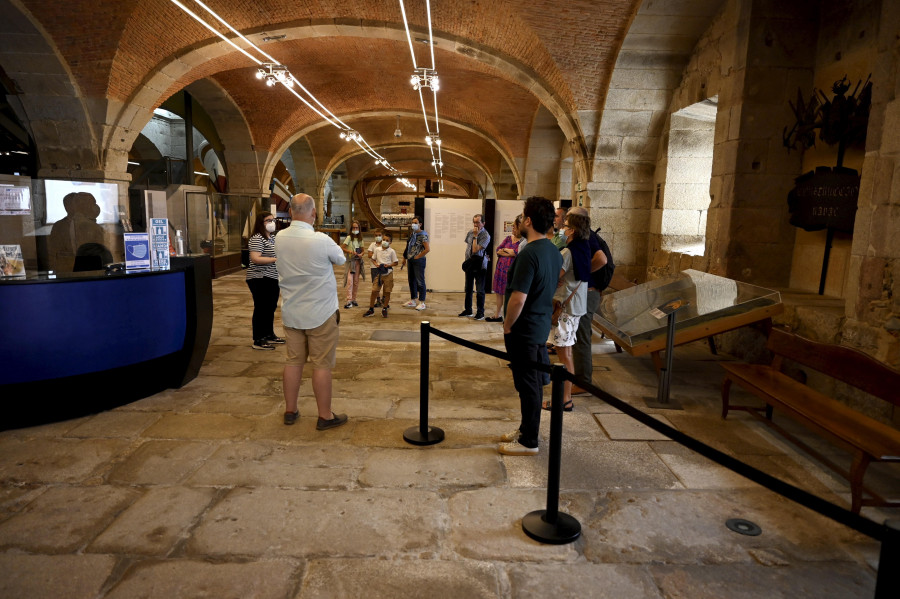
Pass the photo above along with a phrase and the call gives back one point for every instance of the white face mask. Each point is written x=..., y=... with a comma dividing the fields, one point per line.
x=378, y=239
x=270, y=227
x=355, y=231
x=385, y=244
x=414, y=227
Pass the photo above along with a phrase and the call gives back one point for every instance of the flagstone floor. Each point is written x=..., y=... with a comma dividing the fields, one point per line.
x=203, y=492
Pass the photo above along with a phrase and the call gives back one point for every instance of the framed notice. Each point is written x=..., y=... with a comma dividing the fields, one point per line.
x=15, y=199
x=159, y=243
x=137, y=251
x=11, y=262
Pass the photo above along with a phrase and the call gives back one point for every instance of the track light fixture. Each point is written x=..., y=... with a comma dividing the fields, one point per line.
x=351, y=135
x=275, y=73
x=424, y=77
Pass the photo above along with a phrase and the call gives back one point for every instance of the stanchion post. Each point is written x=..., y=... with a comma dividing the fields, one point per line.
x=887, y=584
x=550, y=526
x=665, y=375
x=424, y=434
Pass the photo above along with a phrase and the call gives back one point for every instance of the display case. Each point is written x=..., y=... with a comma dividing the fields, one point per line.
x=712, y=304
x=219, y=225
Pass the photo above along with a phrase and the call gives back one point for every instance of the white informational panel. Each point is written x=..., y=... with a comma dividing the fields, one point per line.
x=505, y=213
x=447, y=221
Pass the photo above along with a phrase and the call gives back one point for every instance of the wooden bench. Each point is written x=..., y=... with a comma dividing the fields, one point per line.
x=867, y=439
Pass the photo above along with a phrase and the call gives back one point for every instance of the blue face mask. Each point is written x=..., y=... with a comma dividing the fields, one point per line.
x=414, y=227
x=385, y=244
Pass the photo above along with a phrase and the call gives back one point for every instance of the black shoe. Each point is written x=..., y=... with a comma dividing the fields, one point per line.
x=465, y=313
x=336, y=421
x=273, y=340
x=384, y=311
x=262, y=344
x=348, y=305
x=479, y=316
x=355, y=305
x=378, y=302
x=494, y=319
x=369, y=312
x=291, y=417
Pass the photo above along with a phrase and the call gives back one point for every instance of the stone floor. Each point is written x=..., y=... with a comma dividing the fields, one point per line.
x=203, y=492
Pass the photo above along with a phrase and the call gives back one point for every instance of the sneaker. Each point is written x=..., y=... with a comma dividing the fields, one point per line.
x=420, y=307
x=511, y=436
x=479, y=316
x=410, y=304
x=348, y=305
x=378, y=302
x=516, y=448
x=273, y=340
x=369, y=312
x=338, y=420
x=384, y=311
x=355, y=305
x=465, y=313
x=262, y=344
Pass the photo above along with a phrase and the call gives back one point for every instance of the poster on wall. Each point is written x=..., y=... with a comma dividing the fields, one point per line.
x=11, y=262
x=447, y=220
x=159, y=243
x=15, y=199
x=137, y=251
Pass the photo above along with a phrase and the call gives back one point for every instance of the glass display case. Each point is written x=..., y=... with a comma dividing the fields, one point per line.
x=219, y=225
x=713, y=304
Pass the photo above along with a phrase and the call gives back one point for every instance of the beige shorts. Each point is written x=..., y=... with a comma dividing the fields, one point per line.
x=318, y=346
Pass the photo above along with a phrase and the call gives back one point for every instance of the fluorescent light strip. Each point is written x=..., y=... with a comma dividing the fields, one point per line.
x=408, y=37
x=430, y=37
x=216, y=31
x=271, y=59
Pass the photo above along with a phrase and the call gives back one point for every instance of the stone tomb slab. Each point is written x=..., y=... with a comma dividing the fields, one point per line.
x=621, y=427
x=286, y=522
x=187, y=579
x=400, y=578
x=398, y=336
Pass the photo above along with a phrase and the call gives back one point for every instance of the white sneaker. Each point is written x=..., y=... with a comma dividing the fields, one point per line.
x=511, y=436
x=420, y=307
x=410, y=304
x=515, y=448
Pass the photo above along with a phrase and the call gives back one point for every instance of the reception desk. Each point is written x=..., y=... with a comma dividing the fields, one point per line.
x=80, y=343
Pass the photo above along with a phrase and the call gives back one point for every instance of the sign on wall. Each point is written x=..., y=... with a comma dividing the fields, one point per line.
x=825, y=199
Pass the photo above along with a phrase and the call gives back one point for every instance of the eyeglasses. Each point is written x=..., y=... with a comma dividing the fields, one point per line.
x=268, y=220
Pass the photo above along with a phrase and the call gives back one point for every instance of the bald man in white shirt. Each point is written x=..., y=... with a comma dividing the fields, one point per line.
x=309, y=309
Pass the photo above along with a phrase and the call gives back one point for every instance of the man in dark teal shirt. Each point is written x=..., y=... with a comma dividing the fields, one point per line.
x=528, y=306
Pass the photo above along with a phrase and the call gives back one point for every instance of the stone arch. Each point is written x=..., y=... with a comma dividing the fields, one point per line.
x=47, y=100
x=146, y=96
x=542, y=165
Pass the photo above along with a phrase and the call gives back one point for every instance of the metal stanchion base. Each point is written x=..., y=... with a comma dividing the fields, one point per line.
x=414, y=435
x=566, y=529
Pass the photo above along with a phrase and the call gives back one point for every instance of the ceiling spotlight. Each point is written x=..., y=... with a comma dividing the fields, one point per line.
x=350, y=135
x=433, y=138
x=274, y=73
x=424, y=77
x=397, y=132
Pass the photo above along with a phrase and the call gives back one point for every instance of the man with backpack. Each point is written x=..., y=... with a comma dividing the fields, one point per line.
x=602, y=268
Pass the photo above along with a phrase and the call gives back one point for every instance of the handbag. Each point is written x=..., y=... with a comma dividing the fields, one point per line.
x=473, y=263
x=558, y=306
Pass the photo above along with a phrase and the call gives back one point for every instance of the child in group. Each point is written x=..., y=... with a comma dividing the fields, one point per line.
x=370, y=252
x=384, y=259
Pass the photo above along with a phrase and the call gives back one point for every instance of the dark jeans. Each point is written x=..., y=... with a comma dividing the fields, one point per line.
x=581, y=351
x=529, y=383
x=415, y=271
x=265, y=299
x=478, y=279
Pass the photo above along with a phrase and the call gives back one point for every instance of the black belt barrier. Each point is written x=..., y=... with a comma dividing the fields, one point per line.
x=550, y=526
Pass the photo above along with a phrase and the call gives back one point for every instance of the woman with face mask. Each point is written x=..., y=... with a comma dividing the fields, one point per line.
x=353, y=248
x=262, y=278
x=414, y=255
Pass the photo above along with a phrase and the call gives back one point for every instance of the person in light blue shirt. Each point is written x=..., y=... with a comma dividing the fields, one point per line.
x=309, y=309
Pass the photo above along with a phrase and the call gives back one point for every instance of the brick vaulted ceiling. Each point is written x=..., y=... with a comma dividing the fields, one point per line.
x=491, y=55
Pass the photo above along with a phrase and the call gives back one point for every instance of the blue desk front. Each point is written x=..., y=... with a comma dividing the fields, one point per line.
x=89, y=341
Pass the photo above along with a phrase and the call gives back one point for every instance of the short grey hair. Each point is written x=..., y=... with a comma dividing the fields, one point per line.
x=302, y=205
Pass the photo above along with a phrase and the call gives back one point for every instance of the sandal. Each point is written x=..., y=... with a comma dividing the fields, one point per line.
x=567, y=407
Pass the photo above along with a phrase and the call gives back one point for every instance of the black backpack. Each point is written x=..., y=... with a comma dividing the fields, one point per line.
x=602, y=277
